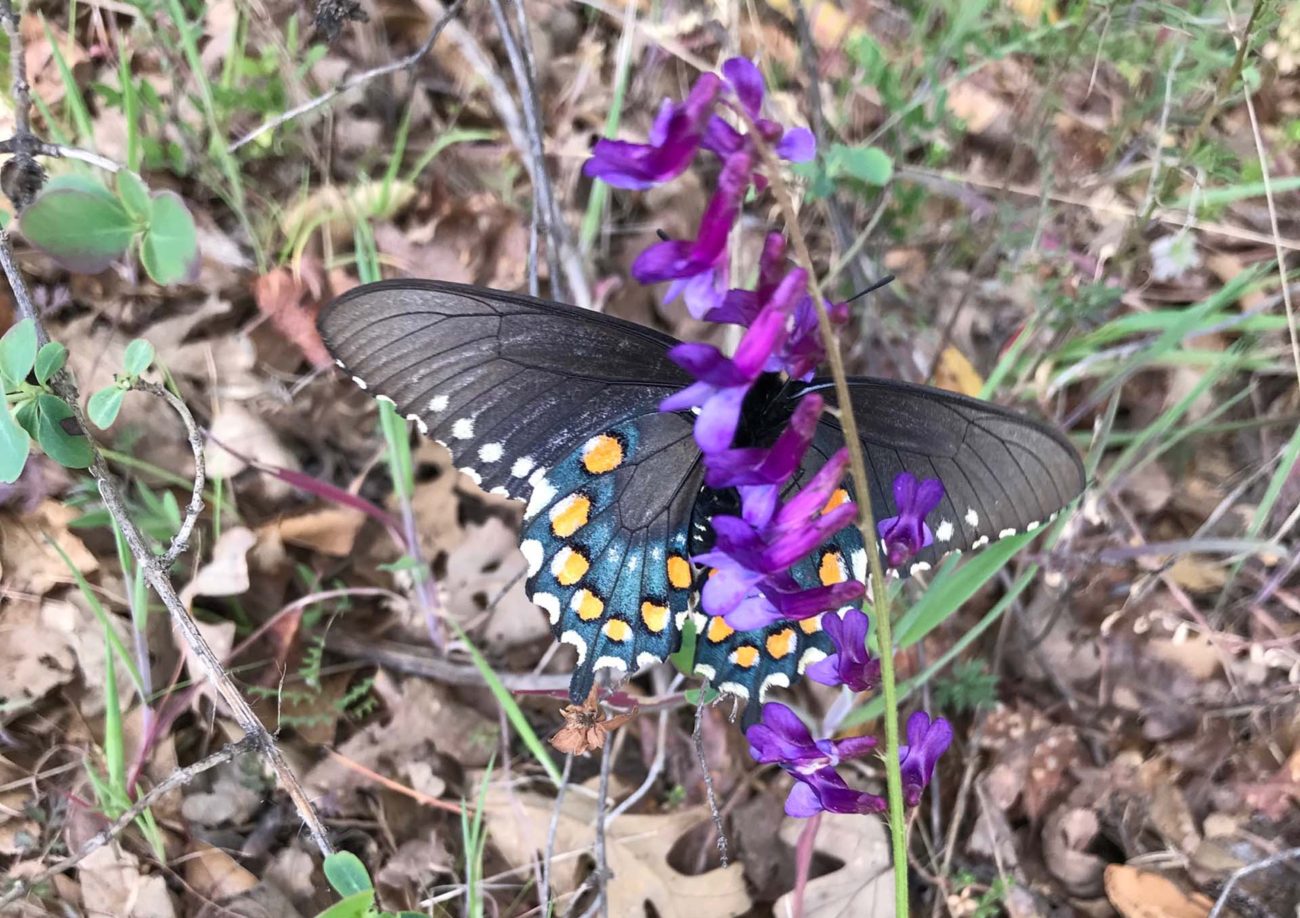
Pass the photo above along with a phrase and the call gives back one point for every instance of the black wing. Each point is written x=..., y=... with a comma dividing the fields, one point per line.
x=508, y=383
x=1003, y=473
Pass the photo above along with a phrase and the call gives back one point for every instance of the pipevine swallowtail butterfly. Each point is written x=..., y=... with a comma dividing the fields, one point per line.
x=558, y=407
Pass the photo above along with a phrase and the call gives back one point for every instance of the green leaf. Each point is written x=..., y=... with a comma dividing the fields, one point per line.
x=75, y=181
x=49, y=360
x=104, y=406
x=67, y=449
x=170, y=248
x=14, y=446
x=83, y=231
x=347, y=874
x=18, y=351
x=357, y=905
x=871, y=165
x=139, y=354
x=26, y=415
x=134, y=195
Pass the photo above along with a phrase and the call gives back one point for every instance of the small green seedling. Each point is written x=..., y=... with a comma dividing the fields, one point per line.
x=349, y=878
x=105, y=404
x=30, y=410
x=85, y=227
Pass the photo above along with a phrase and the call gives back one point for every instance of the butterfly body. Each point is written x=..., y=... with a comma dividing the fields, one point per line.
x=559, y=407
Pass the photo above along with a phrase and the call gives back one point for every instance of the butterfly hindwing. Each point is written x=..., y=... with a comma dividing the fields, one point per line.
x=605, y=538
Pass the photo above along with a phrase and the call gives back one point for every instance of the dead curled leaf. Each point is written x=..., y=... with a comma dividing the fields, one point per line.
x=586, y=727
x=1066, y=836
x=1140, y=894
x=290, y=300
x=636, y=851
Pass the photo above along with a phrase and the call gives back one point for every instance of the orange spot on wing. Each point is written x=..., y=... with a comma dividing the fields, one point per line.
x=570, y=515
x=617, y=630
x=679, y=572
x=590, y=607
x=831, y=570
x=602, y=454
x=718, y=630
x=745, y=657
x=573, y=564
x=654, y=616
x=838, y=497
x=810, y=625
x=781, y=643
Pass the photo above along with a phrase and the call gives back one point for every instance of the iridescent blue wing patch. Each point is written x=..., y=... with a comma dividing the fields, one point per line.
x=605, y=536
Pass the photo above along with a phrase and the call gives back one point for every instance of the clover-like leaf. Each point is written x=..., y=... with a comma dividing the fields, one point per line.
x=134, y=195
x=14, y=446
x=104, y=406
x=83, y=230
x=139, y=354
x=71, y=450
x=357, y=905
x=18, y=351
x=49, y=360
x=871, y=165
x=347, y=874
x=169, y=250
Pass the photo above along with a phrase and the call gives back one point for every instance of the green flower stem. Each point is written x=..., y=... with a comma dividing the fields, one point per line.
x=866, y=519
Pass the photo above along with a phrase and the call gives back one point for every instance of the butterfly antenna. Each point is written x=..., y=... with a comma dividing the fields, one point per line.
x=887, y=279
x=663, y=236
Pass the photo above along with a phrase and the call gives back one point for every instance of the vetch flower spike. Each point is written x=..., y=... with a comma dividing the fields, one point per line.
x=851, y=664
x=907, y=533
x=781, y=738
x=926, y=740
x=795, y=145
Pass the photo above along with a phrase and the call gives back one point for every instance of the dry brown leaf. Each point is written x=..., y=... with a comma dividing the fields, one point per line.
x=863, y=886
x=1198, y=574
x=331, y=531
x=291, y=302
x=111, y=884
x=1066, y=836
x=28, y=563
x=586, y=725
x=957, y=374
x=227, y=573
x=1140, y=894
x=250, y=439
x=636, y=850
x=36, y=652
x=484, y=563
x=214, y=874
x=979, y=108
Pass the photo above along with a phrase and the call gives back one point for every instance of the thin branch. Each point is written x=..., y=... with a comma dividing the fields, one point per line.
x=178, y=778
x=1290, y=854
x=697, y=739
x=544, y=894
x=180, y=542
x=602, y=801
x=352, y=82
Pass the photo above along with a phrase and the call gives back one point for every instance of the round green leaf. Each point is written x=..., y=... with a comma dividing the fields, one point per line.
x=26, y=416
x=83, y=231
x=75, y=181
x=347, y=874
x=170, y=248
x=49, y=360
x=866, y=164
x=139, y=354
x=67, y=449
x=357, y=905
x=104, y=406
x=14, y=446
x=134, y=195
x=18, y=351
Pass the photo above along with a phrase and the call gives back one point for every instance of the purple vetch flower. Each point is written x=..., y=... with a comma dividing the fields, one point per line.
x=795, y=145
x=804, y=348
x=674, y=140
x=698, y=267
x=906, y=534
x=723, y=381
x=751, y=585
x=755, y=466
x=851, y=664
x=782, y=739
x=926, y=740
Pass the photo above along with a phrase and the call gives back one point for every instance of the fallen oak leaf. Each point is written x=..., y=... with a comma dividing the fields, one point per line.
x=1142, y=894
x=864, y=885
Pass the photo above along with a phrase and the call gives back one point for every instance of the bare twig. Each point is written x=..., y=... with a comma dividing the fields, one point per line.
x=602, y=862
x=697, y=739
x=544, y=894
x=180, y=542
x=352, y=82
x=178, y=778
x=1290, y=854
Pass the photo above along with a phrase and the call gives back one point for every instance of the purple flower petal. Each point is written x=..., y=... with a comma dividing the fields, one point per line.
x=715, y=427
x=907, y=533
x=797, y=145
x=747, y=82
x=802, y=801
x=927, y=740
x=721, y=138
